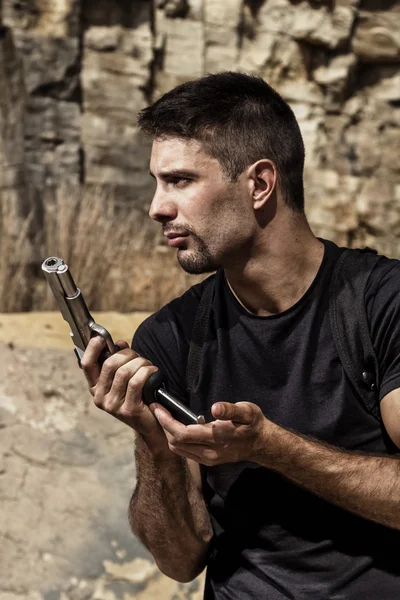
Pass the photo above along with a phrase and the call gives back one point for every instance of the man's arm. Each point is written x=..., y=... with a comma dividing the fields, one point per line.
x=168, y=514
x=390, y=412
x=367, y=485
x=167, y=511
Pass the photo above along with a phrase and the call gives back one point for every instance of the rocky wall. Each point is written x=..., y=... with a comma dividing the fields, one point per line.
x=75, y=73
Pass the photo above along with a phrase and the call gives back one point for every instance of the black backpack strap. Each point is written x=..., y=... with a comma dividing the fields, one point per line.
x=349, y=323
x=199, y=333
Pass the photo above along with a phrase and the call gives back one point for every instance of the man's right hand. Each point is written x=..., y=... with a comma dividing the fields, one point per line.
x=117, y=386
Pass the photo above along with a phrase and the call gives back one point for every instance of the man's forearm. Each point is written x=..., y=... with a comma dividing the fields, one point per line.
x=168, y=513
x=368, y=485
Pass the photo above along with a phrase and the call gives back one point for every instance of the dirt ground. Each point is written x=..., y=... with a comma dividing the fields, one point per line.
x=66, y=476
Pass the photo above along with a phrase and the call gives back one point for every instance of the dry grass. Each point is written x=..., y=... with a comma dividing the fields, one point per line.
x=15, y=251
x=116, y=260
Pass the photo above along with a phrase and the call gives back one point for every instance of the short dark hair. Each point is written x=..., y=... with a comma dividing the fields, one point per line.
x=239, y=119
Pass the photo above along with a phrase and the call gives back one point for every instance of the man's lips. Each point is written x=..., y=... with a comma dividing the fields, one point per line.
x=175, y=239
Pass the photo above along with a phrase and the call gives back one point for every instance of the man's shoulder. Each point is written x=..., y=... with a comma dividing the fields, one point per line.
x=383, y=285
x=184, y=306
x=384, y=271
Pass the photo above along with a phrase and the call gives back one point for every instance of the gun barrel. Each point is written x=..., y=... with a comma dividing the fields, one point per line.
x=68, y=284
x=69, y=300
x=56, y=266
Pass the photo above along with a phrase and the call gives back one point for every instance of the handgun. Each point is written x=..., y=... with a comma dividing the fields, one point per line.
x=83, y=327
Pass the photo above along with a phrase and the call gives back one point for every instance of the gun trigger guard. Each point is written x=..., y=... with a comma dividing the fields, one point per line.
x=100, y=330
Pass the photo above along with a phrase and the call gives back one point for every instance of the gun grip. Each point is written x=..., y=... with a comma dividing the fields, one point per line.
x=105, y=353
x=154, y=383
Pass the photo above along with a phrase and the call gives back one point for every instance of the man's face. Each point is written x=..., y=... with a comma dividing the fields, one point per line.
x=206, y=217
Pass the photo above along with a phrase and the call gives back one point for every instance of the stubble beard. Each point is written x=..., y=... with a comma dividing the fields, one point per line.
x=199, y=260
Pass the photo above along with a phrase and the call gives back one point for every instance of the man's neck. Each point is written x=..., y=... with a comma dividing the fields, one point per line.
x=278, y=273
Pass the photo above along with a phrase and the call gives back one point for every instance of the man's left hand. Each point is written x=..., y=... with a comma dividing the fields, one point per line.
x=236, y=435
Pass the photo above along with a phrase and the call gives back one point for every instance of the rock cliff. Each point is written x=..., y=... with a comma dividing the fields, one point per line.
x=74, y=73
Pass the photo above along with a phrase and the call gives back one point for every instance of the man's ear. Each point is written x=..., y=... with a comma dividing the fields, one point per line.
x=263, y=178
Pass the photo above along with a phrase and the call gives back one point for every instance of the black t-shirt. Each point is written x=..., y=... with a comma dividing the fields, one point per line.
x=273, y=539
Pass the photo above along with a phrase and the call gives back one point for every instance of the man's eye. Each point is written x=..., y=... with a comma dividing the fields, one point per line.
x=179, y=181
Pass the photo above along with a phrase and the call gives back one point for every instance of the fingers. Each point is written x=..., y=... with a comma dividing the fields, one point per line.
x=117, y=386
x=122, y=344
x=241, y=412
x=133, y=396
x=180, y=432
x=182, y=440
x=90, y=360
x=124, y=399
x=209, y=434
x=117, y=370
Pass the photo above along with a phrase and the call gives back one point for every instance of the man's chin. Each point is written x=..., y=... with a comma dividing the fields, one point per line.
x=196, y=264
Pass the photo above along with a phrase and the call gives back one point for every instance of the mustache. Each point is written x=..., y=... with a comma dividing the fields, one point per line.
x=184, y=229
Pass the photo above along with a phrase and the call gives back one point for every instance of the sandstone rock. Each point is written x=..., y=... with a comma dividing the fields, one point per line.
x=117, y=59
x=351, y=3
x=126, y=13
x=335, y=79
x=52, y=142
x=115, y=152
x=377, y=37
x=366, y=157
x=33, y=447
x=12, y=104
x=274, y=16
x=224, y=14
x=353, y=107
x=281, y=62
x=44, y=17
x=113, y=82
x=110, y=90
x=256, y=54
x=196, y=10
x=50, y=64
x=329, y=207
x=389, y=90
x=174, y=8
x=310, y=127
x=103, y=38
x=373, y=192
x=136, y=571
x=300, y=91
x=221, y=49
x=337, y=71
x=183, y=38
x=321, y=26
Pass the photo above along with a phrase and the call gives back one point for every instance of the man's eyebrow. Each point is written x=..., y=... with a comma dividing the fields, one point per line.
x=175, y=173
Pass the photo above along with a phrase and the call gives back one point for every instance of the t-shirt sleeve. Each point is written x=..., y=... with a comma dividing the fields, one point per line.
x=164, y=339
x=383, y=310
x=156, y=340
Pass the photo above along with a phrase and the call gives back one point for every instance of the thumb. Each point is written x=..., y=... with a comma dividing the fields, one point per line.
x=241, y=412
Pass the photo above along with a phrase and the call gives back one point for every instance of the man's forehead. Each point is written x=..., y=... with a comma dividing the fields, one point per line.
x=175, y=152
x=177, y=145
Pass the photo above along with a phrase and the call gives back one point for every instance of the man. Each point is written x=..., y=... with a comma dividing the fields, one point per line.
x=289, y=491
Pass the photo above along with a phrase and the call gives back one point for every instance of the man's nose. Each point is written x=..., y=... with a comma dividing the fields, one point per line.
x=161, y=208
